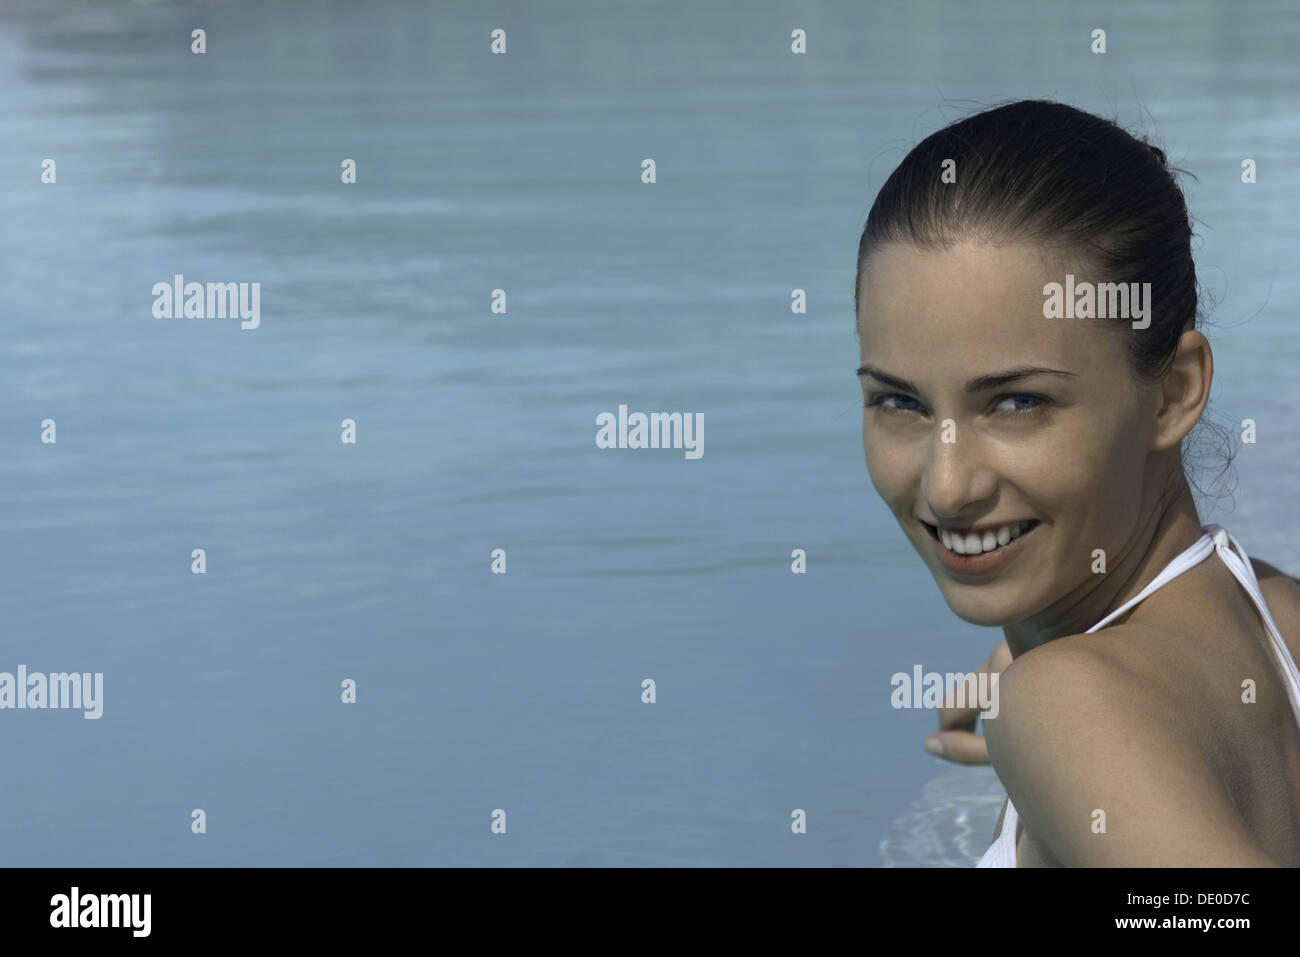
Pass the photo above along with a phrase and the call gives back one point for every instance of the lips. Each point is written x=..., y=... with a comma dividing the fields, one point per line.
x=974, y=550
x=975, y=540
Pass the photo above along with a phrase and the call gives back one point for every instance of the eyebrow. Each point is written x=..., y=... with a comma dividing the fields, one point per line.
x=980, y=383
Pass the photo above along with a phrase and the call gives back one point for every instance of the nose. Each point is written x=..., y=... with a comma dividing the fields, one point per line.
x=957, y=482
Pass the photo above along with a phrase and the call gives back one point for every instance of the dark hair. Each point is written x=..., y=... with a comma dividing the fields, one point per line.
x=1044, y=172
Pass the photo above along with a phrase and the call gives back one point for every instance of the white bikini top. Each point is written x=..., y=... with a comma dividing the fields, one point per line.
x=1216, y=539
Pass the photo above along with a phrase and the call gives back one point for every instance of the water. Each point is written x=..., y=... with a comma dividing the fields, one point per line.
x=475, y=431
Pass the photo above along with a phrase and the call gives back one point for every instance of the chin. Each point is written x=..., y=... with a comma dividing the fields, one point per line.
x=985, y=611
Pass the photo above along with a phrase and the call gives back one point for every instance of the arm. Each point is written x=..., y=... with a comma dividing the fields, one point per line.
x=956, y=738
x=1079, y=733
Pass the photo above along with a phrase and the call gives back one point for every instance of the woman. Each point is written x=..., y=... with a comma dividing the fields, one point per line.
x=1148, y=700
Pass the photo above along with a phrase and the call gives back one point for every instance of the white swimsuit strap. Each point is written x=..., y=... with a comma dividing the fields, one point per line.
x=1217, y=539
x=1238, y=562
x=1002, y=852
x=1189, y=558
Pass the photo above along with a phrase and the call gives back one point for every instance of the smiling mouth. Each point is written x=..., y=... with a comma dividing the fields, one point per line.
x=979, y=541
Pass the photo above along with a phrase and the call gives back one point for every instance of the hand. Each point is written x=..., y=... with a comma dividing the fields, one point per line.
x=956, y=739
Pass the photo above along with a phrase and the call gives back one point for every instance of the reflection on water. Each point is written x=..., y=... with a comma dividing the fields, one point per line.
x=949, y=825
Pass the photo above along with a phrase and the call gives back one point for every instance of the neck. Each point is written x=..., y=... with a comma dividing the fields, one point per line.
x=1172, y=527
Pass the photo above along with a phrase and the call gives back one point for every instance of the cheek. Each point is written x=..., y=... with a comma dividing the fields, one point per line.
x=889, y=464
x=1118, y=482
x=1091, y=476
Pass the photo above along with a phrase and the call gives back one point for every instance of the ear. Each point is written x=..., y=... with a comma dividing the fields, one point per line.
x=1185, y=390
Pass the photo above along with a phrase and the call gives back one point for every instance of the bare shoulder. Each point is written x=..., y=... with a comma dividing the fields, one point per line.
x=1277, y=584
x=1106, y=676
x=1113, y=665
x=1099, y=765
x=1282, y=595
x=1264, y=570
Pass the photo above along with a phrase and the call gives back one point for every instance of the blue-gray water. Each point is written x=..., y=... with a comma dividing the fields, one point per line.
x=476, y=430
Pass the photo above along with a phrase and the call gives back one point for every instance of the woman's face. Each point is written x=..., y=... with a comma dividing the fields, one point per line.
x=984, y=419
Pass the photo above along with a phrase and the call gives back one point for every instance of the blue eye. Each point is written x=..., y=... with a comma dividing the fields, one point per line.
x=890, y=402
x=1037, y=401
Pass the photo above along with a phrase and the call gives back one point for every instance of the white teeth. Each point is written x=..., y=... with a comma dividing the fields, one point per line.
x=975, y=543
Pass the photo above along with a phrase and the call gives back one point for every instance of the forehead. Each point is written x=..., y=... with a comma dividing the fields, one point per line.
x=974, y=304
